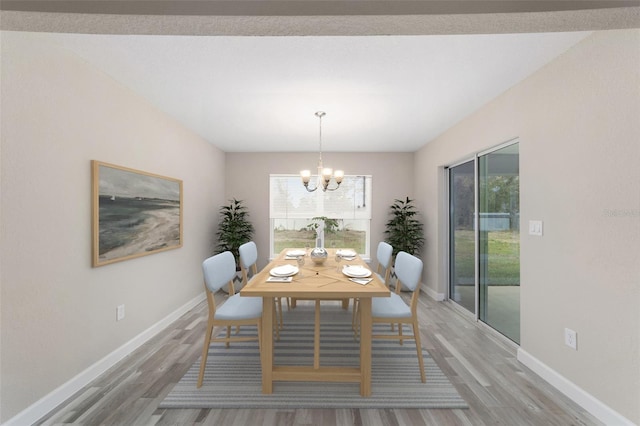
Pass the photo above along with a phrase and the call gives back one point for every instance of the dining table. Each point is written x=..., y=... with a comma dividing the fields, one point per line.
x=315, y=281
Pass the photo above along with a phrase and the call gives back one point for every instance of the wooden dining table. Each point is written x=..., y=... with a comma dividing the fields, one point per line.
x=316, y=282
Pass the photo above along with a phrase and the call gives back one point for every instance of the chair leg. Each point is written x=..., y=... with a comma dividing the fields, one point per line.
x=205, y=353
x=276, y=326
x=416, y=334
x=400, y=333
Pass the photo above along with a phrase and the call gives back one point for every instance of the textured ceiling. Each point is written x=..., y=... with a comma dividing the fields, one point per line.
x=393, y=91
x=260, y=93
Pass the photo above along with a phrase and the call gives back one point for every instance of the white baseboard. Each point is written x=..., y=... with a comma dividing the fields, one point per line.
x=47, y=403
x=438, y=297
x=587, y=401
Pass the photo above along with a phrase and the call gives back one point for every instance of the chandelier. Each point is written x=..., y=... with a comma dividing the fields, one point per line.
x=325, y=174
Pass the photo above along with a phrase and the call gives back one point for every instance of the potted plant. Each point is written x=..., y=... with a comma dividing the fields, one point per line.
x=234, y=230
x=404, y=230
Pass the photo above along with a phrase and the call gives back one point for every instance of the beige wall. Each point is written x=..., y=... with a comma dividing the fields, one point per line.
x=578, y=121
x=247, y=176
x=58, y=313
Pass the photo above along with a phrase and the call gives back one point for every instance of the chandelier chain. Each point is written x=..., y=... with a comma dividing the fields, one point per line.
x=320, y=114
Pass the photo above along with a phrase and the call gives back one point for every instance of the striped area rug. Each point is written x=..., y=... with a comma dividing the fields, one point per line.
x=233, y=375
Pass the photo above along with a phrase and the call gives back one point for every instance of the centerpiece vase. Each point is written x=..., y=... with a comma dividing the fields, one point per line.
x=318, y=255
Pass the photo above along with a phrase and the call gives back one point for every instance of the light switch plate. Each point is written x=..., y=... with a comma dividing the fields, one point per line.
x=535, y=228
x=119, y=312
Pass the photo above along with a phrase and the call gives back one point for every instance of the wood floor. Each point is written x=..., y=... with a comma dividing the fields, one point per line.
x=481, y=365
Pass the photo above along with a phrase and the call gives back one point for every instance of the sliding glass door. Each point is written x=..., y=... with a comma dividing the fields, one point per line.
x=499, y=240
x=484, y=248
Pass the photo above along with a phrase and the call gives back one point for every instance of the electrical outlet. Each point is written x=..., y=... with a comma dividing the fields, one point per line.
x=571, y=338
x=120, y=313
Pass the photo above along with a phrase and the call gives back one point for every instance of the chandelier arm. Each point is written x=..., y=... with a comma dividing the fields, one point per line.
x=332, y=189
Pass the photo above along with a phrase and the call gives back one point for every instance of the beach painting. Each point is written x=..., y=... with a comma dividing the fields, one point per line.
x=135, y=213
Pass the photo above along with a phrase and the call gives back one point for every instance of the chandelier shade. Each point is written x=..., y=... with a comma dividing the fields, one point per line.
x=325, y=174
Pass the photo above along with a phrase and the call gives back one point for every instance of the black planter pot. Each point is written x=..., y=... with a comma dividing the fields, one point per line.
x=237, y=282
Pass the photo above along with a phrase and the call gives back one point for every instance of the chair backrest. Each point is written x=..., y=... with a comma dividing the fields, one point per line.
x=408, y=269
x=248, y=260
x=219, y=270
x=384, y=254
x=248, y=254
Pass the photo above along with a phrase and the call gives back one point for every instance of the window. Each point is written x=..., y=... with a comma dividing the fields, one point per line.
x=294, y=212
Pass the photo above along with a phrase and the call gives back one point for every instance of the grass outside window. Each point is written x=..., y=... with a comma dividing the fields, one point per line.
x=503, y=256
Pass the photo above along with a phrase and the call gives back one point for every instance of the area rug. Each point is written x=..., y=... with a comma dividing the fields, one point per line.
x=233, y=375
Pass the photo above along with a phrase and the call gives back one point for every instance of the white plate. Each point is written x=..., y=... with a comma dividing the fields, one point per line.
x=356, y=271
x=284, y=271
x=296, y=253
x=346, y=253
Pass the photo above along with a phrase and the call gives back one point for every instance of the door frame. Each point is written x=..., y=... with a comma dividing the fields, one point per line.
x=447, y=240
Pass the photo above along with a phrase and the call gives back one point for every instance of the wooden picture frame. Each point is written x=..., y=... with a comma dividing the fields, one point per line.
x=134, y=213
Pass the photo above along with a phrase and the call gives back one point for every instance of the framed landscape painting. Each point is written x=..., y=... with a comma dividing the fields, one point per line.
x=135, y=213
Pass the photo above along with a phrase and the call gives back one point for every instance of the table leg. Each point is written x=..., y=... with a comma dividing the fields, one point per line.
x=316, y=337
x=365, y=346
x=267, y=345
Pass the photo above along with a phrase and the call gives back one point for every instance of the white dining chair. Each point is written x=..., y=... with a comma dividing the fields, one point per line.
x=237, y=311
x=394, y=310
x=248, y=265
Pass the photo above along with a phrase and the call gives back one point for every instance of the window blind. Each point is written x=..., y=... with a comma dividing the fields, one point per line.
x=290, y=200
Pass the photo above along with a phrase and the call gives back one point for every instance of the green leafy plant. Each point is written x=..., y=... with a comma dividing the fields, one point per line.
x=234, y=228
x=330, y=225
x=404, y=230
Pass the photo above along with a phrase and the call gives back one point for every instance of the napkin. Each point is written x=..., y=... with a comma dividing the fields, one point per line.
x=361, y=281
x=279, y=279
